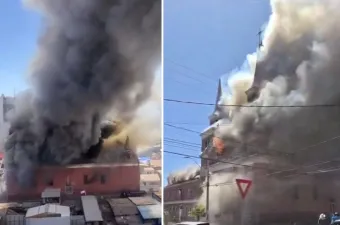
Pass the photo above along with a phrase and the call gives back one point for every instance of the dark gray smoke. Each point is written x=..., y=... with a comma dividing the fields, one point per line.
x=92, y=56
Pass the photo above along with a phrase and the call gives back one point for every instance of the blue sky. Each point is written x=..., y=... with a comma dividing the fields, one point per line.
x=19, y=30
x=202, y=41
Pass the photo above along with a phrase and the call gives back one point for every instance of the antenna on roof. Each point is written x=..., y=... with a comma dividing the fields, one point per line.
x=260, y=38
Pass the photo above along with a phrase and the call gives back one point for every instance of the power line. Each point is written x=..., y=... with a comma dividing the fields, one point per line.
x=310, y=165
x=190, y=69
x=249, y=166
x=298, y=151
x=252, y=106
x=181, y=141
x=181, y=147
x=190, y=77
x=182, y=128
x=238, y=142
x=215, y=160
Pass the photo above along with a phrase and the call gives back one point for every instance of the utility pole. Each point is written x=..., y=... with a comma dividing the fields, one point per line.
x=207, y=200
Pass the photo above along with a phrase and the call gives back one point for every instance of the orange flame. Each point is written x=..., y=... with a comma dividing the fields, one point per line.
x=218, y=145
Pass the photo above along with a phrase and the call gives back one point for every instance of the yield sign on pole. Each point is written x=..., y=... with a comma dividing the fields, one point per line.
x=243, y=186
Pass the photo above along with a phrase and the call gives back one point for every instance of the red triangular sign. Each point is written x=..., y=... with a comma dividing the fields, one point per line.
x=243, y=189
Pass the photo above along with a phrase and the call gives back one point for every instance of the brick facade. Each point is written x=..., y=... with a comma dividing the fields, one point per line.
x=181, y=197
x=94, y=179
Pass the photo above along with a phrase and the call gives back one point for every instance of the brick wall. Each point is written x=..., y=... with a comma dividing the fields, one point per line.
x=182, y=196
x=99, y=179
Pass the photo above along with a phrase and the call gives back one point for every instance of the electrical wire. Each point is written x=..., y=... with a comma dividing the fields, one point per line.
x=181, y=141
x=302, y=149
x=252, y=106
x=269, y=151
x=181, y=147
x=310, y=165
x=190, y=69
x=182, y=128
x=214, y=160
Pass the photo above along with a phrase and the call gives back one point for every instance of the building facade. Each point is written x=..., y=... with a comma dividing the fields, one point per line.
x=180, y=198
x=99, y=179
x=284, y=198
x=150, y=182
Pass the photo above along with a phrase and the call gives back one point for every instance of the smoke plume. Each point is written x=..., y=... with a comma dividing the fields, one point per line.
x=93, y=56
x=298, y=65
x=147, y=118
x=183, y=175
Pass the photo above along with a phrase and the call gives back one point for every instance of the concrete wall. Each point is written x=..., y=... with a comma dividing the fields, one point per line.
x=272, y=199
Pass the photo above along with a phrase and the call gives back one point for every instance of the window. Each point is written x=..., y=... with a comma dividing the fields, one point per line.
x=102, y=179
x=49, y=181
x=189, y=193
x=68, y=183
x=180, y=193
x=86, y=179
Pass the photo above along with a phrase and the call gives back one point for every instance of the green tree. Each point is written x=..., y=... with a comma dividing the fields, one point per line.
x=197, y=212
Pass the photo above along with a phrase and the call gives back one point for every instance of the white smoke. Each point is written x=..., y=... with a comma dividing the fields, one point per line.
x=183, y=175
x=298, y=65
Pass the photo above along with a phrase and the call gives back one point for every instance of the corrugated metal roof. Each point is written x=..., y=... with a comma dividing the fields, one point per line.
x=91, y=209
x=128, y=220
x=143, y=200
x=150, y=211
x=51, y=193
x=124, y=210
x=48, y=209
x=120, y=201
x=122, y=207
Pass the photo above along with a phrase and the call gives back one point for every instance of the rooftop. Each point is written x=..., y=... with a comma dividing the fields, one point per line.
x=48, y=210
x=91, y=209
x=150, y=169
x=51, y=193
x=150, y=178
x=150, y=211
x=156, y=162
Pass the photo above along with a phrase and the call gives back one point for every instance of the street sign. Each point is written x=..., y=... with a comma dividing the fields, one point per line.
x=243, y=186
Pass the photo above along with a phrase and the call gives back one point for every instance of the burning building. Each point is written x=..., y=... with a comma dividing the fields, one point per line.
x=93, y=179
x=94, y=58
x=287, y=148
